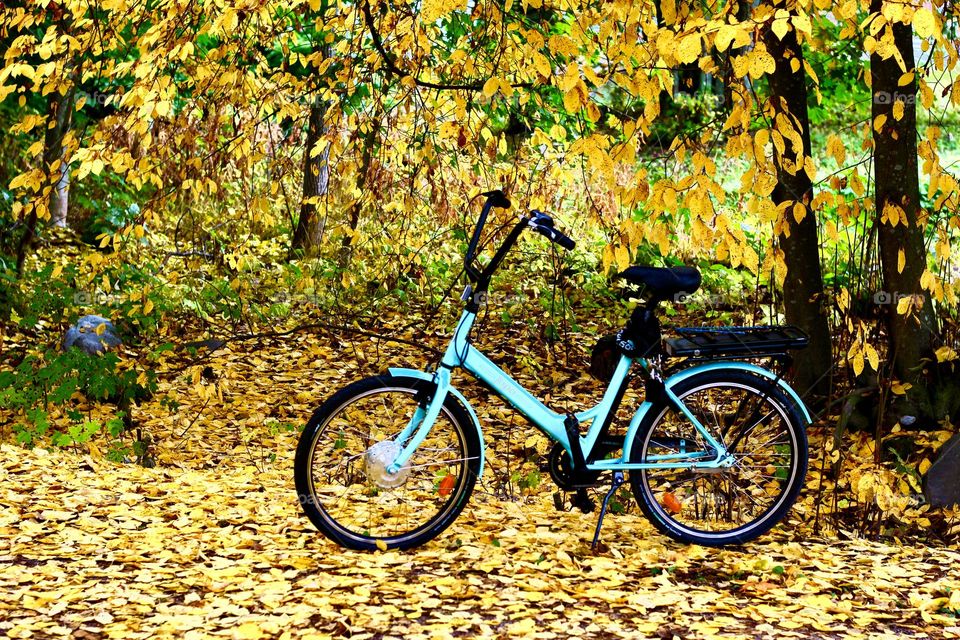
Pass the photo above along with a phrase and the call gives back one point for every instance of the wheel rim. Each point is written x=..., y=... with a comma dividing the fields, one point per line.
x=733, y=501
x=349, y=486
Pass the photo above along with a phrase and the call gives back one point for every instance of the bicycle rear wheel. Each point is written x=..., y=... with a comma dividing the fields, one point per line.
x=343, y=453
x=759, y=425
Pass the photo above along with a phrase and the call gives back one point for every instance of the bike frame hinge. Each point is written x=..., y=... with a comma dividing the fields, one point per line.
x=572, y=427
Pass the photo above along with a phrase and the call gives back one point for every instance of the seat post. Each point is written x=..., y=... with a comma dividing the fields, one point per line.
x=642, y=330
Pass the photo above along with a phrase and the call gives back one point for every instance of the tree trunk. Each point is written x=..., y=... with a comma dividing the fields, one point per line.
x=61, y=111
x=803, y=284
x=899, y=218
x=316, y=179
x=60, y=116
x=59, y=195
x=353, y=218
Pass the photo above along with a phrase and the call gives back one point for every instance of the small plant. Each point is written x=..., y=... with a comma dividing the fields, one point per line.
x=45, y=382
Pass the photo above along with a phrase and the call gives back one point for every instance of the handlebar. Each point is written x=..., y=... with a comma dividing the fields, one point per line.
x=543, y=224
x=536, y=220
x=494, y=198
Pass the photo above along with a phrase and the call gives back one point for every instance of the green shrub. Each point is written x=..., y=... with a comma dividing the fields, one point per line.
x=48, y=380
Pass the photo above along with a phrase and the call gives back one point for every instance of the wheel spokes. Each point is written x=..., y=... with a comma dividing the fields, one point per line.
x=754, y=429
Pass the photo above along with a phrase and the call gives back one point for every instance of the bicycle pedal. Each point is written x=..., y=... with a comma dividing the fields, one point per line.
x=581, y=500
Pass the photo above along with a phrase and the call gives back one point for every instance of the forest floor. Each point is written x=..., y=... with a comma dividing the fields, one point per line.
x=211, y=542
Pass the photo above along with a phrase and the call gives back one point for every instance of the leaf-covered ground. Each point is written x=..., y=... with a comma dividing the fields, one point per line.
x=98, y=550
x=212, y=541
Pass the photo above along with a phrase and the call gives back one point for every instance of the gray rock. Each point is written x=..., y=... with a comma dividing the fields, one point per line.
x=84, y=335
x=943, y=476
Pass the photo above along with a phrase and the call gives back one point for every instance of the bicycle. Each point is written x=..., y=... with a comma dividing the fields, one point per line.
x=716, y=453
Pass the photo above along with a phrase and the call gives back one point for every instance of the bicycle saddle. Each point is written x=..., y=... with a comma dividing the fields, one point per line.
x=663, y=283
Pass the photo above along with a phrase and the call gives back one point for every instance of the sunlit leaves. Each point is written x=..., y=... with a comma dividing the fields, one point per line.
x=924, y=22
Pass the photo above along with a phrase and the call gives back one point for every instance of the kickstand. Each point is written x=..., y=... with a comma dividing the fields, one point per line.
x=617, y=483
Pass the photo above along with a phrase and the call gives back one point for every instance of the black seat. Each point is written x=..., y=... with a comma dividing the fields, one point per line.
x=663, y=283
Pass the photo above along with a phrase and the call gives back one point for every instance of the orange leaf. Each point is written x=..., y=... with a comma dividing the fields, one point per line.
x=446, y=485
x=671, y=503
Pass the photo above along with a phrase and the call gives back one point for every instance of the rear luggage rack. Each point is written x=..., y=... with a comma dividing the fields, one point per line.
x=705, y=341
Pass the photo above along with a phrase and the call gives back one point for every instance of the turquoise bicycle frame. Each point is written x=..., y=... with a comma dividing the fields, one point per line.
x=460, y=353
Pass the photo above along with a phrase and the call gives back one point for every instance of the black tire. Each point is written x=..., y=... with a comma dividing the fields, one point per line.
x=771, y=454
x=337, y=446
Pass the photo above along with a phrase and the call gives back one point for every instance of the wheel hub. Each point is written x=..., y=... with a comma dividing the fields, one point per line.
x=378, y=458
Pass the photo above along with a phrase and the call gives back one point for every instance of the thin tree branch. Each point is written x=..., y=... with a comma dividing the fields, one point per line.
x=394, y=69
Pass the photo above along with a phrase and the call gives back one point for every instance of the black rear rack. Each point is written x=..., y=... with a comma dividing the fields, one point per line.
x=706, y=341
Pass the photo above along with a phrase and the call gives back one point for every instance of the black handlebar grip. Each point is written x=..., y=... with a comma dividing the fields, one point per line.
x=565, y=241
x=497, y=199
x=555, y=236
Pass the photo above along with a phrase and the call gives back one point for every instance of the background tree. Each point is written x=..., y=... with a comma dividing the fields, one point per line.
x=901, y=221
x=804, y=299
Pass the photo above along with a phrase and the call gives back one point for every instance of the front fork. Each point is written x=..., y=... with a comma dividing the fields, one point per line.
x=424, y=417
x=422, y=420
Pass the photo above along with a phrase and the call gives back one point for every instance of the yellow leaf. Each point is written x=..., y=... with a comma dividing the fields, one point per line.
x=843, y=299
x=891, y=214
x=541, y=64
x=924, y=23
x=898, y=109
x=801, y=22
x=857, y=362
x=571, y=100
x=872, y=357
x=669, y=10
x=230, y=21
x=490, y=87
x=622, y=257
x=904, y=304
x=900, y=388
x=724, y=38
x=799, y=212
x=524, y=626
x=381, y=545
x=781, y=27
x=945, y=354
x=248, y=631
x=836, y=148
x=879, y=121
x=906, y=79
x=761, y=63
x=593, y=112
x=689, y=49
x=901, y=261
x=570, y=78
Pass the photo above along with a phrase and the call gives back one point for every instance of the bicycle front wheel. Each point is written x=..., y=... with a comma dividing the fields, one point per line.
x=760, y=427
x=342, y=457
